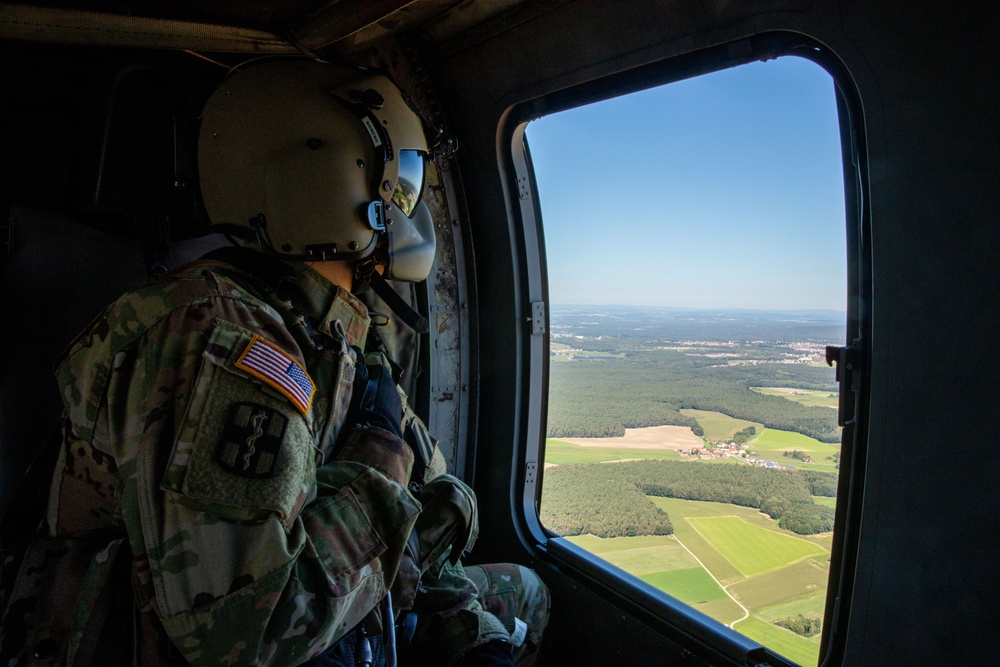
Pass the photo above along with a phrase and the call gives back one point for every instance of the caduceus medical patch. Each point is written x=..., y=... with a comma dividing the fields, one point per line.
x=252, y=440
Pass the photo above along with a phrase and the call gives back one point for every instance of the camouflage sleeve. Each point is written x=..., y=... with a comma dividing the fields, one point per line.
x=451, y=618
x=244, y=549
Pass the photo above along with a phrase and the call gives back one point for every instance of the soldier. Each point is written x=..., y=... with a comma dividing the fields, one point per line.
x=240, y=480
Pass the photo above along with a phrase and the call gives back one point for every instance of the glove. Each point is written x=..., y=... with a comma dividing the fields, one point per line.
x=374, y=399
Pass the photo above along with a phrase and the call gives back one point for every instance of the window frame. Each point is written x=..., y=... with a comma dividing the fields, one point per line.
x=659, y=609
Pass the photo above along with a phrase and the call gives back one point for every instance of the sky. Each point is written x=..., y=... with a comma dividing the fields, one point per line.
x=722, y=191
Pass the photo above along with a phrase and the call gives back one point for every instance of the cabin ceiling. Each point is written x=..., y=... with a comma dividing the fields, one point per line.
x=262, y=25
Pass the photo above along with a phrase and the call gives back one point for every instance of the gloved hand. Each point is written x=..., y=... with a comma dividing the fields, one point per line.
x=375, y=401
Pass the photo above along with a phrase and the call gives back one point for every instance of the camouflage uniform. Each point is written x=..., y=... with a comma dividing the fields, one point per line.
x=203, y=458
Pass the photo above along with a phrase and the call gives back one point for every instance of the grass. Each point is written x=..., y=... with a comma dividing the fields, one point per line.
x=692, y=585
x=641, y=560
x=809, y=397
x=729, y=539
x=823, y=500
x=714, y=561
x=559, y=452
x=799, y=580
x=601, y=545
x=771, y=444
x=725, y=611
x=810, y=606
x=718, y=426
x=751, y=549
x=800, y=649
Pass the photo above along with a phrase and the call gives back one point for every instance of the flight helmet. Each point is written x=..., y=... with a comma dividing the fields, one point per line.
x=318, y=162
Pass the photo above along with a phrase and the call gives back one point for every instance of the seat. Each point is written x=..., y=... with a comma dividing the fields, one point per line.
x=57, y=276
x=127, y=210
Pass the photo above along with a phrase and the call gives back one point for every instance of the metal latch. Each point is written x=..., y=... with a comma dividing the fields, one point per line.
x=849, y=360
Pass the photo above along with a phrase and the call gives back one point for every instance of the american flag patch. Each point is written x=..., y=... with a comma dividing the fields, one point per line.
x=274, y=366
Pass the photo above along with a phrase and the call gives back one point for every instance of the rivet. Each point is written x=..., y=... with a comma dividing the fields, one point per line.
x=361, y=164
x=387, y=186
x=215, y=135
x=287, y=247
x=353, y=245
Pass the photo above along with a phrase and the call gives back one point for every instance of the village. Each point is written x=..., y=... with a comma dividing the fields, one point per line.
x=740, y=452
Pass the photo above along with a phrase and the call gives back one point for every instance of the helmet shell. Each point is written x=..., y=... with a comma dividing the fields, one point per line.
x=289, y=146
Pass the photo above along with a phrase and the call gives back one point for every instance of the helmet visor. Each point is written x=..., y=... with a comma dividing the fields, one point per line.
x=410, y=182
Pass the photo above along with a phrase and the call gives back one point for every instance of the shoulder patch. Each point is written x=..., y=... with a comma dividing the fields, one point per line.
x=252, y=440
x=268, y=362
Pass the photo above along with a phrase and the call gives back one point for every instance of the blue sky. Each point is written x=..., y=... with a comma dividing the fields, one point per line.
x=723, y=191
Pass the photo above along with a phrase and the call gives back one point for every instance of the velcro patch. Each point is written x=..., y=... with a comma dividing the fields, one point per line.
x=252, y=440
x=268, y=362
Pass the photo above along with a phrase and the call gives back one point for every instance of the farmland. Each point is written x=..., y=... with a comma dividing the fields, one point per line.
x=824, y=399
x=686, y=453
x=705, y=568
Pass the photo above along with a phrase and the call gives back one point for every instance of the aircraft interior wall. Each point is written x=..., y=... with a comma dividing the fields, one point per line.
x=926, y=81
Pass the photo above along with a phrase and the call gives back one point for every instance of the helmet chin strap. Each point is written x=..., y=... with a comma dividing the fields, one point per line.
x=396, y=303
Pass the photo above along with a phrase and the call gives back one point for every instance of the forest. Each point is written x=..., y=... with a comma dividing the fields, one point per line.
x=609, y=500
x=600, y=398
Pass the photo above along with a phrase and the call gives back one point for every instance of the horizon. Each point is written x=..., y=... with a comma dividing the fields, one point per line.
x=699, y=308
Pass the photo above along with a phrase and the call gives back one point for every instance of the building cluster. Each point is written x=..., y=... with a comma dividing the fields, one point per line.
x=732, y=450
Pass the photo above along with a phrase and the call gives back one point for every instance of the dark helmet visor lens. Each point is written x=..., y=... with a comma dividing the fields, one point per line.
x=410, y=184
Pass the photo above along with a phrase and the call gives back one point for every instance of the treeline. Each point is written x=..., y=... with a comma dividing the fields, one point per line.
x=821, y=483
x=609, y=500
x=800, y=625
x=610, y=507
x=602, y=398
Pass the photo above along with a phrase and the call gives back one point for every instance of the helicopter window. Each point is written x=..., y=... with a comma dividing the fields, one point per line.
x=695, y=253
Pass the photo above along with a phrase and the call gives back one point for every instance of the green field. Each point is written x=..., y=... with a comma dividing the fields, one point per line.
x=692, y=586
x=559, y=452
x=771, y=444
x=808, y=397
x=802, y=650
x=718, y=426
x=639, y=555
x=823, y=500
x=794, y=582
x=752, y=550
x=773, y=573
x=808, y=606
